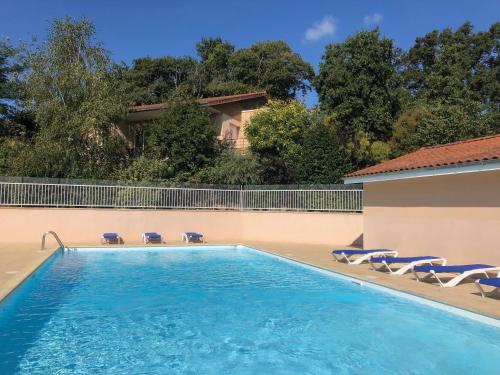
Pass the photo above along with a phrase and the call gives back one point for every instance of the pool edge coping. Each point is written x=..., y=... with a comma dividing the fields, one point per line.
x=454, y=309
x=30, y=273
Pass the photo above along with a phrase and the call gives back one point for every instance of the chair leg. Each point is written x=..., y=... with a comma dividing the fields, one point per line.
x=437, y=278
x=346, y=258
x=387, y=266
x=481, y=290
x=416, y=275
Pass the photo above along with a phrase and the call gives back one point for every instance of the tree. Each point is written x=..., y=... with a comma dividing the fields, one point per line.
x=455, y=66
x=453, y=79
x=154, y=80
x=359, y=86
x=183, y=137
x=322, y=159
x=272, y=66
x=16, y=125
x=144, y=168
x=404, y=137
x=234, y=168
x=220, y=70
x=296, y=145
x=215, y=55
x=14, y=122
x=8, y=66
x=439, y=123
x=70, y=87
x=275, y=135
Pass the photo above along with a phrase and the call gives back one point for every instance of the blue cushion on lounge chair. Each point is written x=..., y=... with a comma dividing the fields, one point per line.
x=401, y=259
x=360, y=252
x=495, y=281
x=110, y=236
x=194, y=235
x=152, y=235
x=452, y=269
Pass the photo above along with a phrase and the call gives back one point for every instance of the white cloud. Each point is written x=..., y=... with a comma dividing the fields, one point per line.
x=326, y=27
x=374, y=19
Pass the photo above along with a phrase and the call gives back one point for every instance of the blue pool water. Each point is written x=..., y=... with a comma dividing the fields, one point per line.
x=227, y=310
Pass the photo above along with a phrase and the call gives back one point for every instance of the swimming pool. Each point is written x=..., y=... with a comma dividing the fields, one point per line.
x=225, y=310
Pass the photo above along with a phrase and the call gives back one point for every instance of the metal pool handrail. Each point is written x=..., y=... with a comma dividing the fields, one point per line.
x=42, y=248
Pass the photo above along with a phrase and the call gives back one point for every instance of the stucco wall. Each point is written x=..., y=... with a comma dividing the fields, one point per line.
x=79, y=226
x=456, y=216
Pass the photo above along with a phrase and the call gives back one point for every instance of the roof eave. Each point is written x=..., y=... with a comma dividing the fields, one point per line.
x=485, y=166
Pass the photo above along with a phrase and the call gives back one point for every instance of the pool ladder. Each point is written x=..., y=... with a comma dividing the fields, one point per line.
x=42, y=248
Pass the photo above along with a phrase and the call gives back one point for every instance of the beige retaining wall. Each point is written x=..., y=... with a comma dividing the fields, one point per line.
x=84, y=225
x=455, y=216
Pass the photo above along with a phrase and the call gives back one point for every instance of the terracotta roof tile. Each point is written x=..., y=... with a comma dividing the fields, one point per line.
x=462, y=152
x=216, y=100
x=232, y=98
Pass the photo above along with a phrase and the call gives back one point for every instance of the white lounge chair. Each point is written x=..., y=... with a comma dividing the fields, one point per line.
x=364, y=254
x=464, y=271
x=150, y=237
x=192, y=237
x=494, y=282
x=409, y=262
x=108, y=238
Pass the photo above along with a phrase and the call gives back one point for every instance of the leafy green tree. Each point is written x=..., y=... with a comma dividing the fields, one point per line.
x=184, y=137
x=154, y=80
x=322, y=158
x=360, y=88
x=221, y=88
x=453, y=66
x=455, y=75
x=439, y=123
x=276, y=134
x=144, y=168
x=297, y=145
x=16, y=126
x=233, y=168
x=215, y=54
x=220, y=70
x=404, y=137
x=450, y=123
x=14, y=121
x=8, y=67
x=70, y=87
x=272, y=66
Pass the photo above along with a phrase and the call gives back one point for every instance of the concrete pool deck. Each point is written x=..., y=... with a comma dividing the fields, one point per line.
x=20, y=260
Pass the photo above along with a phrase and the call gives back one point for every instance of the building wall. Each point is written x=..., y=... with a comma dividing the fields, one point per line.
x=237, y=114
x=231, y=109
x=246, y=115
x=455, y=216
x=85, y=225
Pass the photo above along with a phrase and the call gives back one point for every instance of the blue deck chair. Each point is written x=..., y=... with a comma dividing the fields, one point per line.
x=409, y=263
x=107, y=238
x=464, y=271
x=364, y=255
x=150, y=237
x=494, y=282
x=192, y=237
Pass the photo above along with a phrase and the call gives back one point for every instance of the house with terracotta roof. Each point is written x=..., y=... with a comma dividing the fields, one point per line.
x=230, y=115
x=442, y=200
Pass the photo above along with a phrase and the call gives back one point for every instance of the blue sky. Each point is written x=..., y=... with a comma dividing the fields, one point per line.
x=131, y=29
